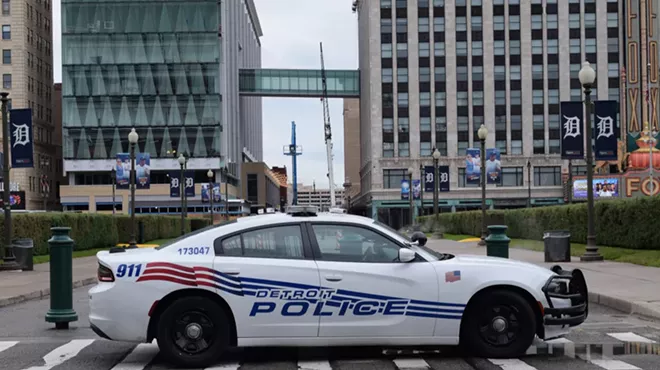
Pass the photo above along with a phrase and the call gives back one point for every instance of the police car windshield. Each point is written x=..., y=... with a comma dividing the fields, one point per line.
x=401, y=235
x=165, y=245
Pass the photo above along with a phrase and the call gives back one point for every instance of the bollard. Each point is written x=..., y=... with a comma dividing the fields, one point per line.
x=61, y=279
x=497, y=243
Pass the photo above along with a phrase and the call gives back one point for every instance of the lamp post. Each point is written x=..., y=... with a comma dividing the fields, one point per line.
x=587, y=77
x=45, y=191
x=410, y=196
x=113, y=175
x=529, y=184
x=483, y=133
x=436, y=181
x=9, y=261
x=651, y=141
x=182, y=191
x=133, y=139
x=422, y=182
x=210, y=176
x=225, y=173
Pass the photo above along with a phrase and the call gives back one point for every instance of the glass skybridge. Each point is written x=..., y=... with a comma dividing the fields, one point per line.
x=299, y=83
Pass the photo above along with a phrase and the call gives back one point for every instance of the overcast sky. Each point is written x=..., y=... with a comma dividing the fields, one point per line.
x=292, y=32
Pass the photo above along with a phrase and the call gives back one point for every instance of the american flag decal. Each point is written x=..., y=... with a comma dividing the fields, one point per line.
x=190, y=276
x=452, y=276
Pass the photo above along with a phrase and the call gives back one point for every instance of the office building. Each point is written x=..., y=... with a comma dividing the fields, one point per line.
x=169, y=70
x=261, y=186
x=351, y=150
x=433, y=71
x=27, y=75
x=319, y=197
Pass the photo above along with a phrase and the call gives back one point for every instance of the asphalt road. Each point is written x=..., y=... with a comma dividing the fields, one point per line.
x=28, y=342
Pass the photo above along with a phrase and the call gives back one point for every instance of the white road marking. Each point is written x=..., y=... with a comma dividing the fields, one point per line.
x=7, y=345
x=63, y=353
x=630, y=337
x=511, y=364
x=314, y=365
x=227, y=366
x=614, y=365
x=558, y=340
x=139, y=358
x=411, y=363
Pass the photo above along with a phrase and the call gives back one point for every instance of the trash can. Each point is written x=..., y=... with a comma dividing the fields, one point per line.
x=23, y=251
x=557, y=246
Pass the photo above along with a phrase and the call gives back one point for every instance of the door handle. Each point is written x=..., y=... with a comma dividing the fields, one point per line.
x=231, y=272
x=331, y=277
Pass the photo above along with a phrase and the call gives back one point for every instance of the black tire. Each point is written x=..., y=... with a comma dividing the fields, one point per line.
x=184, y=313
x=485, y=313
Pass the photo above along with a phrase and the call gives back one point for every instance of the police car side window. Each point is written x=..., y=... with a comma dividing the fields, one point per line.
x=232, y=246
x=273, y=242
x=354, y=244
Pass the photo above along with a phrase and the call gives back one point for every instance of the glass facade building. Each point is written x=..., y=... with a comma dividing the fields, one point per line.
x=149, y=65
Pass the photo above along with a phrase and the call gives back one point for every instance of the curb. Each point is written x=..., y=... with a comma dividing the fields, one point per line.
x=41, y=294
x=637, y=308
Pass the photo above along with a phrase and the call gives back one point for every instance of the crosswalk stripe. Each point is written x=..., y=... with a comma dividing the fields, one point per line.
x=227, y=366
x=411, y=363
x=511, y=364
x=614, y=365
x=139, y=358
x=630, y=337
x=314, y=365
x=63, y=353
x=6, y=345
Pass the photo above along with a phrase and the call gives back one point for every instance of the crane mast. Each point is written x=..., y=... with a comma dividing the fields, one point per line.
x=328, y=130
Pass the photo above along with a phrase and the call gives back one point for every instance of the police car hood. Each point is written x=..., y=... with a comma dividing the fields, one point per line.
x=489, y=263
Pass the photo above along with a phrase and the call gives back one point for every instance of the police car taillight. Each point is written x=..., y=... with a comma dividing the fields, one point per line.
x=105, y=274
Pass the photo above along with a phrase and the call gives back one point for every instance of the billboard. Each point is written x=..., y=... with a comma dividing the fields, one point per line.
x=472, y=166
x=603, y=188
x=493, y=166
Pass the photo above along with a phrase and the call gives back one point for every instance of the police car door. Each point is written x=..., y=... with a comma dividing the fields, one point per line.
x=367, y=292
x=269, y=279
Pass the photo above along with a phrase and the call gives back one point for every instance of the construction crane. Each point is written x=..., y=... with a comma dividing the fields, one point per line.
x=328, y=130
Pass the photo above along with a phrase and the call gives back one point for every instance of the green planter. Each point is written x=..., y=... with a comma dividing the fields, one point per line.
x=497, y=243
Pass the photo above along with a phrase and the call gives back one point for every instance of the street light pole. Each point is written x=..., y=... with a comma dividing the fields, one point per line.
x=182, y=190
x=422, y=183
x=225, y=172
x=587, y=77
x=9, y=261
x=529, y=184
x=133, y=139
x=44, y=182
x=410, y=196
x=483, y=133
x=113, y=175
x=436, y=181
x=210, y=192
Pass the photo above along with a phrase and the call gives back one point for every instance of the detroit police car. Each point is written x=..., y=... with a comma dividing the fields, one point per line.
x=312, y=279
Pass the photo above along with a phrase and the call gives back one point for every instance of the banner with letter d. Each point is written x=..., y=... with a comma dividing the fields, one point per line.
x=22, y=153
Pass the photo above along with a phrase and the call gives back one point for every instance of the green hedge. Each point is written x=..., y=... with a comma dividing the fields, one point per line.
x=626, y=223
x=93, y=231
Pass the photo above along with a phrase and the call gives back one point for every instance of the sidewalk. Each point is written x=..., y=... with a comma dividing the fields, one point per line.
x=20, y=286
x=621, y=286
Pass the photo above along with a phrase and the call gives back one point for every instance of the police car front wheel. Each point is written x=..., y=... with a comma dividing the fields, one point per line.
x=193, y=332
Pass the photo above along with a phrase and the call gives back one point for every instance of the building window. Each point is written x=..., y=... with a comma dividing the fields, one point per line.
x=425, y=124
x=402, y=50
x=402, y=99
x=477, y=48
x=386, y=50
x=499, y=47
x=6, y=8
x=547, y=176
x=386, y=75
x=424, y=49
x=404, y=124
x=425, y=74
x=439, y=49
x=440, y=98
x=6, y=81
x=423, y=25
x=461, y=48
x=438, y=24
x=252, y=188
x=388, y=124
x=404, y=149
x=461, y=180
x=440, y=74
x=477, y=98
x=512, y=176
x=425, y=149
x=6, y=32
x=392, y=178
x=402, y=75
x=6, y=56
x=388, y=150
x=385, y=25
x=425, y=99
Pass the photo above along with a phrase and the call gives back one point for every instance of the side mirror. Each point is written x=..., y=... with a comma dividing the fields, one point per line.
x=406, y=255
x=419, y=237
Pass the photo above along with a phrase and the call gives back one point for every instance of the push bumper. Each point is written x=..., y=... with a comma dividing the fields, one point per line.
x=566, y=286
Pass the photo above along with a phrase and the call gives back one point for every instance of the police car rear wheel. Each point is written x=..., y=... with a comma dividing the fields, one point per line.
x=500, y=323
x=193, y=332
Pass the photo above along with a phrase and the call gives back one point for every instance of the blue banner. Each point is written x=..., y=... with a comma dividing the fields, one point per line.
x=405, y=189
x=217, y=193
x=472, y=166
x=142, y=170
x=417, y=189
x=22, y=154
x=123, y=170
x=429, y=179
x=493, y=166
x=605, y=131
x=443, y=178
x=188, y=180
x=572, y=137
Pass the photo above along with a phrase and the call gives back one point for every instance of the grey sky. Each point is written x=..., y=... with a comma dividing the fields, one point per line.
x=292, y=32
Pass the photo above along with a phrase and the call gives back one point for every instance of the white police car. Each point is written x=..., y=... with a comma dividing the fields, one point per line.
x=308, y=279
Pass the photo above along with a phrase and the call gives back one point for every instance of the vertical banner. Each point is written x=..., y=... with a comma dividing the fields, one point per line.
x=188, y=180
x=417, y=189
x=572, y=137
x=217, y=194
x=493, y=166
x=472, y=166
x=429, y=179
x=605, y=130
x=142, y=171
x=405, y=189
x=443, y=178
x=123, y=170
x=22, y=155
